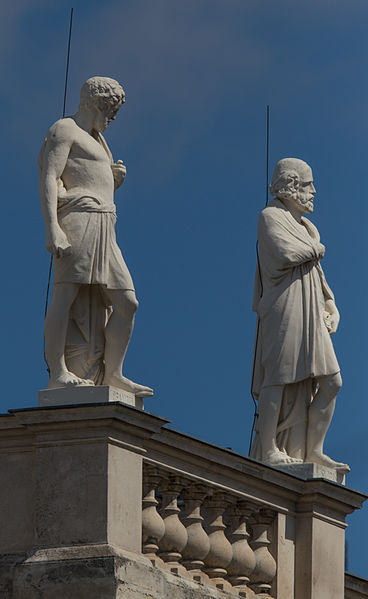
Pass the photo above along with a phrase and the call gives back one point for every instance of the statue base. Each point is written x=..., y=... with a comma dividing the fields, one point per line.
x=309, y=470
x=66, y=396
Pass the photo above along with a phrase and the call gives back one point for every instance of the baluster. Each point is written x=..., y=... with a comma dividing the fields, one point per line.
x=243, y=562
x=265, y=570
x=220, y=553
x=198, y=544
x=153, y=527
x=175, y=537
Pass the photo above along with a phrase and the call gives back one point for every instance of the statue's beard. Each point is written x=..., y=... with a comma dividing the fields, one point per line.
x=306, y=204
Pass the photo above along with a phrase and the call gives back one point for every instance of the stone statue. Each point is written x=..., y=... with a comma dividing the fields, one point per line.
x=90, y=319
x=296, y=374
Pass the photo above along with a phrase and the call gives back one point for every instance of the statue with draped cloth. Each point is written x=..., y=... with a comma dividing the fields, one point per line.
x=296, y=374
x=90, y=319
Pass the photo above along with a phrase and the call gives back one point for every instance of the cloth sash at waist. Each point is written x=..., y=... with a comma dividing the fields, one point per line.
x=84, y=204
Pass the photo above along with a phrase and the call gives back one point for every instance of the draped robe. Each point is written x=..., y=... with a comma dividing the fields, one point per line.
x=293, y=345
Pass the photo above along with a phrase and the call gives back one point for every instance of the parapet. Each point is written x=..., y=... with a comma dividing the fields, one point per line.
x=104, y=500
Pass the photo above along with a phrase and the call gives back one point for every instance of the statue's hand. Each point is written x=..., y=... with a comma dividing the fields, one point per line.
x=320, y=249
x=57, y=243
x=119, y=172
x=334, y=319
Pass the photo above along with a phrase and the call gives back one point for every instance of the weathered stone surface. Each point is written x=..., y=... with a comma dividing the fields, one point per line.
x=55, y=575
x=17, y=498
x=82, y=495
x=92, y=578
x=8, y=563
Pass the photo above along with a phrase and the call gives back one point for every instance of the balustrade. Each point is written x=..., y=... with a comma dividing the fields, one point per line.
x=175, y=536
x=153, y=526
x=220, y=553
x=198, y=545
x=243, y=561
x=265, y=570
x=203, y=532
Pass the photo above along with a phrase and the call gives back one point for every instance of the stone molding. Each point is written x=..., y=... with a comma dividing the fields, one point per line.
x=355, y=587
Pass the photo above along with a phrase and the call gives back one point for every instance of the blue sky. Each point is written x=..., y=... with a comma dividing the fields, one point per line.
x=198, y=76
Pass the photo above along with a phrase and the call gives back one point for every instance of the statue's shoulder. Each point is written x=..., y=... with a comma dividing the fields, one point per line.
x=61, y=132
x=275, y=210
x=63, y=129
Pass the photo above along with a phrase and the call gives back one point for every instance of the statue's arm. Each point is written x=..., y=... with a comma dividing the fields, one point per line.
x=53, y=158
x=282, y=245
x=330, y=305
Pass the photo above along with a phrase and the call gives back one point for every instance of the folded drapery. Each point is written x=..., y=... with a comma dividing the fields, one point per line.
x=294, y=344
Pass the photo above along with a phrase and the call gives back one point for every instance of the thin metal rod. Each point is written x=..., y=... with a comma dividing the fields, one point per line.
x=261, y=284
x=67, y=60
x=267, y=150
x=48, y=287
x=64, y=105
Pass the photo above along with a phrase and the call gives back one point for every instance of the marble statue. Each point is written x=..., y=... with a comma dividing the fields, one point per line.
x=296, y=373
x=90, y=319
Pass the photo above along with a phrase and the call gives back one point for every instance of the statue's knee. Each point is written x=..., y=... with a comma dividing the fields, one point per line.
x=331, y=385
x=131, y=303
x=124, y=302
x=337, y=382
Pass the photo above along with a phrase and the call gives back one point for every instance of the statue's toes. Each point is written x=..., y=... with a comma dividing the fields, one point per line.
x=143, y=391
x=343, y=468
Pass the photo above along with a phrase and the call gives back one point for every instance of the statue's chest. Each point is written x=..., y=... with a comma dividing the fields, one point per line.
x=85, y=146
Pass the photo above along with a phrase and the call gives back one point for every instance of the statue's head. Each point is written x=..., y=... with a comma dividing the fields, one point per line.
x=292, y=180
x=104, y=96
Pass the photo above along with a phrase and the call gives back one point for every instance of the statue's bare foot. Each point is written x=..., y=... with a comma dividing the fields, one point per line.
x=324, y=460
x=277, y=458
x=68, y=379
x=121, y=382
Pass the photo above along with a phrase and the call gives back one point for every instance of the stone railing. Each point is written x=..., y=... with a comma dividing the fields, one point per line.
x=206, y=533
x=106, y=501
x=223, y=520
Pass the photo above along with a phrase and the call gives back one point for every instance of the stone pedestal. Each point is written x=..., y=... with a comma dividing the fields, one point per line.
x=69, y=478
x=319, y=547
x=309, y=470
x=86, y=395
